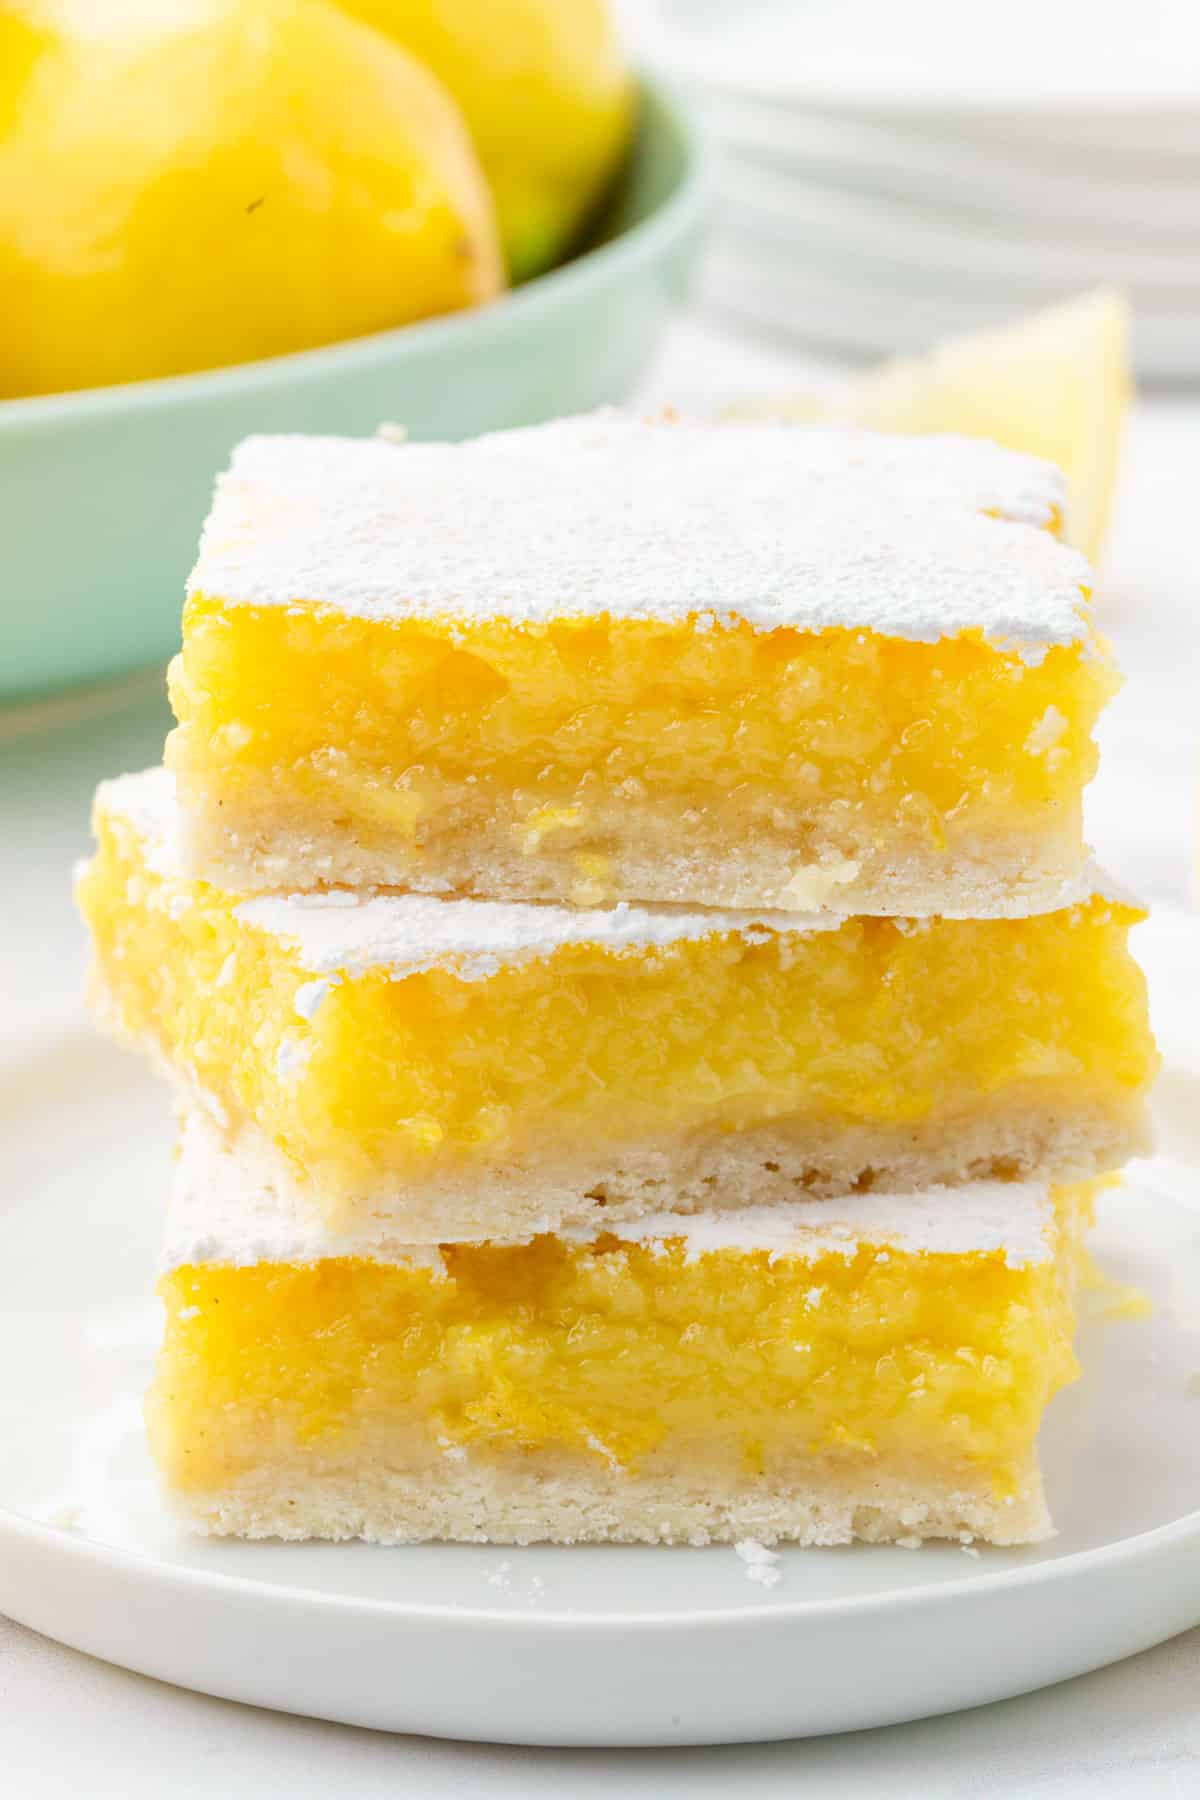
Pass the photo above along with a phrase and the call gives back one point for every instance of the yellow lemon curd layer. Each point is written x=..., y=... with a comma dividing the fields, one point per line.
x=609, y=658
x=620, y=1352
x=365, y=1074
x=601, y=758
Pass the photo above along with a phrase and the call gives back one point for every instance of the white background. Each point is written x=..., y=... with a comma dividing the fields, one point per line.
x=70, y=1726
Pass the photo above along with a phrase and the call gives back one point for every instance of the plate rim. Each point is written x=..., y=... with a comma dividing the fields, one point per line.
x=143, y=1604
x=1076, y=1565
x=792, y=83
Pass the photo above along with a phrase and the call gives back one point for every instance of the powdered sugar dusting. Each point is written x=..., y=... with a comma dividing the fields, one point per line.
x=608, y=514
x=230, y=1206
x=411, y=933
x=146, y=802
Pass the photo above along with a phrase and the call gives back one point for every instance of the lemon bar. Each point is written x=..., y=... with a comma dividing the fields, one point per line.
x=872, y=1367
x=613, y=659
x=464, y=1069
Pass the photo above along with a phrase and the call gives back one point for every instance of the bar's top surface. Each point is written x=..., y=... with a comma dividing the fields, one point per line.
x=340, y=932
x=608, y=514
x=236, y=1206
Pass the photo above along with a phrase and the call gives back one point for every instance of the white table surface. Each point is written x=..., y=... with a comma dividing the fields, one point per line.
x=72, y=1726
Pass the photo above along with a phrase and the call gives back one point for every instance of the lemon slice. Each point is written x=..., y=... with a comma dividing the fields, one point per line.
x=1056, y=384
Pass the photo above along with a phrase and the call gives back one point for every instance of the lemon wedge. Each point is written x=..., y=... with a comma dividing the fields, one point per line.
x=1056, y=384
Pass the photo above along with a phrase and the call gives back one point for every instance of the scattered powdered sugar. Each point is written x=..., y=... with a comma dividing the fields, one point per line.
x=610, y=514
x=762, y=1565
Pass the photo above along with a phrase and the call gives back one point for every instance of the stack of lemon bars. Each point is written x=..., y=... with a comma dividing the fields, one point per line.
x=645, y=1028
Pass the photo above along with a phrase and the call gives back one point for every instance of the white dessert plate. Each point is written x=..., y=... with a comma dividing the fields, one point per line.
x=859, y=308
x=567, y=1646
x=1025, y=181
x=1099, y=57
x=957, y=250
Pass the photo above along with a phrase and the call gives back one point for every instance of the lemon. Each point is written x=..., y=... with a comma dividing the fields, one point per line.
x=547, y=94
x=22, y=40
x=1056, y=384
x=220, y=180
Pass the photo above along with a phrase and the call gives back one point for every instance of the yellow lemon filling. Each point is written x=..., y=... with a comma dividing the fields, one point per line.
x=609, y=658
x=573, y=751
x=1024, y=1039
x=853, y=1353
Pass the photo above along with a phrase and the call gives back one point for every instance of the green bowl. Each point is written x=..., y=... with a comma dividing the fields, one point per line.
x=102, y=493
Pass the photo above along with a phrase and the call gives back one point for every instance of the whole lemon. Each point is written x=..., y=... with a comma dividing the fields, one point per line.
x=217, y=180
x=546, y=90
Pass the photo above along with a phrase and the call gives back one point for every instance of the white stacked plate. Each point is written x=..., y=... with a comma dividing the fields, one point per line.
x=893, y=171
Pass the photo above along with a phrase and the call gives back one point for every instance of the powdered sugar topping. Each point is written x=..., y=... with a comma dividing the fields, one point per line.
x=410, y=933
x=236, y=1208
x=981, y=1216
x=608, y=514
